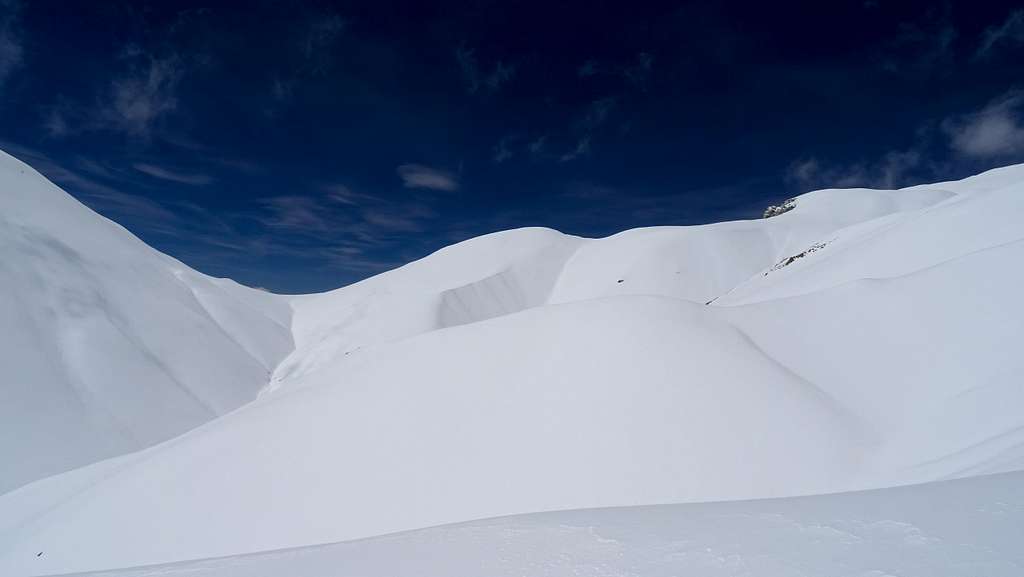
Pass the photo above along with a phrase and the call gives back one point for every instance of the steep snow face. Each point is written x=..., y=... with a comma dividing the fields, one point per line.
x=951, y=529
x=107, y=345
x=529, y=370
x=482, y=278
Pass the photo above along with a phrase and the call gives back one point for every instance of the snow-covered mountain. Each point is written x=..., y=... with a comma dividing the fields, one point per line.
x=858, y=339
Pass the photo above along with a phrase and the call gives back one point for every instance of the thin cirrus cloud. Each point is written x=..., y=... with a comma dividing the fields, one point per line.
x=420, y=176
x=476, y=78
x=162, y=173
x=341, y=193
x=1008, y=34
x=636, y=72
x=133, y=103
x=315, y=41
x=295, y=213
x=501, y=151
x=11, y=50
x=144, y=95
x=582, y=148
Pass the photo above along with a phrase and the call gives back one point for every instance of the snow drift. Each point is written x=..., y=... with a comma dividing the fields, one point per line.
x=859, y=339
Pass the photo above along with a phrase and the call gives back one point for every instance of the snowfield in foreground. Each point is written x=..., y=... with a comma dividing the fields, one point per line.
x=860, y=339
x=957, y=528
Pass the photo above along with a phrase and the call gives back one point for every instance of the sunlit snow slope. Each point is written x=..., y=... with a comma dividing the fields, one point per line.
x=862, y=339
x=108, y=346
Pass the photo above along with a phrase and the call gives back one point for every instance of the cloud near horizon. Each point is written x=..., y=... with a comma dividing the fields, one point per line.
x=994, y=131
x=892, y=170
x=420, y=176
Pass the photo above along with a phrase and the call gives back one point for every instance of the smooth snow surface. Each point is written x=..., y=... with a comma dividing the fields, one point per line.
x=107, y=345
x=960, y=528
x=862, y=339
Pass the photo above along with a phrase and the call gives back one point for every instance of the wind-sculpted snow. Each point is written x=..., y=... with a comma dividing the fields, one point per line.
x=524, y=285
x=517, y=372
x=107, y=345
x=952, y=529
x=506, y=425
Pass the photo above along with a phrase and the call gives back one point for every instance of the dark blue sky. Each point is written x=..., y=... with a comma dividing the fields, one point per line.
x=300, y=146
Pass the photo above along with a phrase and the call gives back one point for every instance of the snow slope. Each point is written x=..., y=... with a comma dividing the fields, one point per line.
x=977, y=530
x=107, y=345
x=862, y=339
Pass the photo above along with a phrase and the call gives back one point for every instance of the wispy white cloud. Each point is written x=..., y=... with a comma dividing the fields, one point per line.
x=319, y=33
x=407, y=217
x=941, y=149
x=295, y=213
x=282, y=88
x=639, y=72
x=313, y=43
x=339, y=227
x=593, y=117
x=501, y=151
x=582, y=148
x=419, y=176
x=466, y=59
x=357, y=259
x=589, y=68
x=1009, y=34
x=892, y=170
x=475, y=76
x=996, y=130
x=139, y=96
x=923, y=46
x=344, y=194
x=538, y=145
x=597, y=112
x=499, y=75
x=636, y=72
x=55, y=123
x=162, y=173
x=239, y=164
x=11, y=48
x=146, y=93
x=336, y=214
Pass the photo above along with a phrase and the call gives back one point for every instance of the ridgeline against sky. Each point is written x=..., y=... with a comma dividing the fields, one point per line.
x=302, y=146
